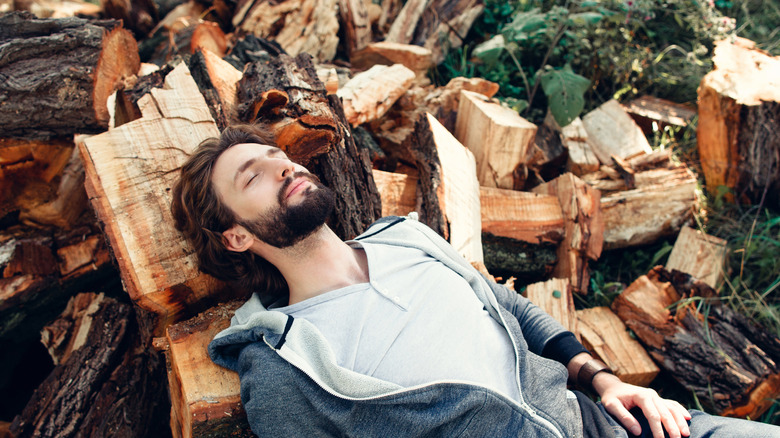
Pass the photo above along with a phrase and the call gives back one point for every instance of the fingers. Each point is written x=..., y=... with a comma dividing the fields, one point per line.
x=681, y=416
x=664, y=414
x=619, y=411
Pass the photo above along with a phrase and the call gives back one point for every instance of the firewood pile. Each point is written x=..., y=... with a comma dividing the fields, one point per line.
x=100, y=110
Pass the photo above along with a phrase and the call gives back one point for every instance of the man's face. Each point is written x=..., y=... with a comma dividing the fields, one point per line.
x=276, y=200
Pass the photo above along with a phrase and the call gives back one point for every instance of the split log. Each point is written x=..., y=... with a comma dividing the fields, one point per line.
x=499, y=138
x=611, y=131
x=398, y=192
x=311, y=128
x=299, y=26
x=527, y=262
x=129, y=173
x=699, y=255
x=218, y=83
x=648, y=110
x=205, y=398
x=184, y=37
x=415, y=58
x=525, y=216
x=554, y=297
x=584, y=228
x=605, y=335
x=546, y=159
x=449, y=201
x=739, y=117
x=53, y=8
x=438, y=25
x=369, y=94
x=651, y=211
x=93, y=58
x=648, y=170
x=582, y=159
x=355, y=25
x=109, y=386
x=730, y=364
x=139, y=16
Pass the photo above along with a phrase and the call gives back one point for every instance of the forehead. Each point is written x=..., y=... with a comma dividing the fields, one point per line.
x=230, y=160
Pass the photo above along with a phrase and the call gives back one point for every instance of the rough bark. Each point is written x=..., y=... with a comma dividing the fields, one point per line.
x=93, y=58
x=527, y=262
x=217, y=81
x=310, y=126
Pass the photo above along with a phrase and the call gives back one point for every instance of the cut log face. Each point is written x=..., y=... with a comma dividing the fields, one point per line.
x=584, y=228
x=355, y=24
x=398, y=192
x=647, y=213
x=582, y=160
x=299, y=26
x=611, y=131
x=92, y=59
x=218, y=83
x=605, y=335
x=699, y=255
x=449, y=199
x=497, y=136
x=739, y=114
x=523, y=216
x=130, y=171
x=728, y=363
x=369, y=94
x=648, y=110
x=554, y=297
x=415, y=58
x=205, y=398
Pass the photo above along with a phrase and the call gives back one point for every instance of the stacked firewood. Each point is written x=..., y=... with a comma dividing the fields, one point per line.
x=343, y=85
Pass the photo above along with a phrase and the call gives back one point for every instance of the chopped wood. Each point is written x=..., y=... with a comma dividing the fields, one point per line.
x=528, y=262
x=730, y=364
x=398, y=192
x=699, y=255
x=583, y=224
x=140, y=16
x=310, y=126
x=449, y=200
x=607, y=338
x=525, y=216
x=626, y=171
x=110, y=385
x=415, y=58
x=369, y=94
x=355, y=25
x=574, y=137
x=205, y=398
x=739, y=116
x=60, y=338
x=218, y=83
x=652, y=210
x=648, y=111
x=438, y=25
x=129, y=173
x=299, y=26
x=611, y=131
x=497, y=136
x=93, y=58
x=82, y=257
x=554, y=297
x=53, y=9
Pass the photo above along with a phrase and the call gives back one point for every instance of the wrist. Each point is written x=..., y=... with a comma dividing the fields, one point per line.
x=591, y=373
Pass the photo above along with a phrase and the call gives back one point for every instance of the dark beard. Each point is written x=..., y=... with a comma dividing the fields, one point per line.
x=287, y=225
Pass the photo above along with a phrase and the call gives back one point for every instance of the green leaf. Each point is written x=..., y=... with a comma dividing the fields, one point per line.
x=585, y=18
x=564, y=90
x=526, y=24
x=490, y=51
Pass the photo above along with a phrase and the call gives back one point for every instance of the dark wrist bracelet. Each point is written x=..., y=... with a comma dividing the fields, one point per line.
x=588, y=371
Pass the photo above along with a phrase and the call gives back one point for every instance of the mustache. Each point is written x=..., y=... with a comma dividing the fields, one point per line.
x=300, y=174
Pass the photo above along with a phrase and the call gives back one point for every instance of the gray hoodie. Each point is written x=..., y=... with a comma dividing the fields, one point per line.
x=292, y=386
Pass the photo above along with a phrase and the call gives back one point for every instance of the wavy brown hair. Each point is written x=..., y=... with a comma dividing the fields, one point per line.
x=202, y=217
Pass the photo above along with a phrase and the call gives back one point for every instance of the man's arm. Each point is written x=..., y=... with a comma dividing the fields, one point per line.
x=618, y=397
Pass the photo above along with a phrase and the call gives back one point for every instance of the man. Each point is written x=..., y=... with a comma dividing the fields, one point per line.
x=392, y=334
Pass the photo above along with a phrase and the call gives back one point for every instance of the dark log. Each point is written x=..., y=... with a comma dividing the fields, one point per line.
x=110, y=386
x=139, y=16
x=732, y=366
x=310, y=126
x=216, y=81
x=92, y=59
x=506, y=257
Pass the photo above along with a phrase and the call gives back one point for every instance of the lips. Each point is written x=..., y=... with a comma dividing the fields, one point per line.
x=297, y=185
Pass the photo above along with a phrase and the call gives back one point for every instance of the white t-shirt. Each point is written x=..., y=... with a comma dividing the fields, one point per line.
x=415, y=322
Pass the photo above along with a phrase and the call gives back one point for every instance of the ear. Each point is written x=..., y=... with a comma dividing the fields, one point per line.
x=237, y=238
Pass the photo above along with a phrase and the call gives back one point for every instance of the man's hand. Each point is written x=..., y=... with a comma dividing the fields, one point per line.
x=618, y=397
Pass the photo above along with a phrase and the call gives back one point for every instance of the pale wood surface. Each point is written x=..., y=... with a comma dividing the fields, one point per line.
x=224, y=77
x=309, y=26
x=415, y=58
x=355, y=24
x=398, y=192
x=699, y=255
x=368, y=95
x=582, y=159
x=611, y=131
x=554, y=296
x=648, y=110
x=525, y=216
x=605, y=335
x=499, y=138
x=583, y=224
x=130, y=171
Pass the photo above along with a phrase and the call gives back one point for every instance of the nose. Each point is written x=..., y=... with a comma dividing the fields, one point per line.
x=287, y=168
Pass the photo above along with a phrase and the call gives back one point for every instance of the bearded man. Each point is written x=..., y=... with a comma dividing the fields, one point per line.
x=392, y=333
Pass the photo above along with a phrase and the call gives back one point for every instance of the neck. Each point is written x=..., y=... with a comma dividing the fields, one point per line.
x=320, y=263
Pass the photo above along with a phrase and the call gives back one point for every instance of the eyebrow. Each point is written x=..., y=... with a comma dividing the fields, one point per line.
x=248, y=163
